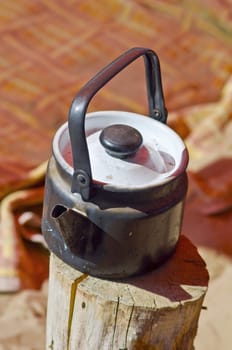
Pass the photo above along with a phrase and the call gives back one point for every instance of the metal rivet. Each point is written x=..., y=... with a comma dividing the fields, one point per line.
x=157, y=113
x=81, y=179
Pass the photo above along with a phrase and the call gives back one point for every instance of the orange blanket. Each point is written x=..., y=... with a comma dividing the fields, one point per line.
x=49, y=49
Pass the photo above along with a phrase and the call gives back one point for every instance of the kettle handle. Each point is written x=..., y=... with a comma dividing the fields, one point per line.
x=82, y=176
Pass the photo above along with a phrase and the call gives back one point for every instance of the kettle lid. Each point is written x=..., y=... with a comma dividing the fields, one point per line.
x=127, y=150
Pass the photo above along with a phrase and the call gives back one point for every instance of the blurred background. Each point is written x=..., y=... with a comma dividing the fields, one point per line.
x=49, y=50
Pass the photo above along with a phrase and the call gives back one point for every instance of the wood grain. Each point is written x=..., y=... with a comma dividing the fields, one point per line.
x=158, y=310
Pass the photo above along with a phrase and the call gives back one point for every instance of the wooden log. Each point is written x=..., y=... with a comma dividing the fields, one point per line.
x=158, y=310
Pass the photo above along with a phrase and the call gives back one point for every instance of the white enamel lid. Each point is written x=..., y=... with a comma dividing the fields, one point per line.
x=161, y=156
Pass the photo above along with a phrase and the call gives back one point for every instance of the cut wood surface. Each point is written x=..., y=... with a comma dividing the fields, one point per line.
x=158, y=310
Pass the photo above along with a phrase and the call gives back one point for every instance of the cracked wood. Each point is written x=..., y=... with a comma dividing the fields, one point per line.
x=156, y=311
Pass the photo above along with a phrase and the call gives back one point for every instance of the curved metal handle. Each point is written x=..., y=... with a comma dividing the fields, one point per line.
x=82, y=176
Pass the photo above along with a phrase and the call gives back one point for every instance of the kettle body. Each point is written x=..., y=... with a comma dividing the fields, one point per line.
x=129, y=223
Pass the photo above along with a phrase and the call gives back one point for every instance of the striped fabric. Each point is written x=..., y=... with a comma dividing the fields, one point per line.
x=49, y=49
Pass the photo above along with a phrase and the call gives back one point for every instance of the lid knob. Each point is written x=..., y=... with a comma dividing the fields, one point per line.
x=120, y=141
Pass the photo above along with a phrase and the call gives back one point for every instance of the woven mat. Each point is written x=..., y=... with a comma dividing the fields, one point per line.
x=49, y=49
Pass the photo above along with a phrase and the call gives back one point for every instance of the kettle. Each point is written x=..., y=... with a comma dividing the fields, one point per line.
x=116, y=182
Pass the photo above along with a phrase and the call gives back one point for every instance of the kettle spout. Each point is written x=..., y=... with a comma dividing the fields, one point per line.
x=81, y=235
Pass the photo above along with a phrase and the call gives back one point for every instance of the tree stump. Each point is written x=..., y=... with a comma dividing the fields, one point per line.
x=158, y=310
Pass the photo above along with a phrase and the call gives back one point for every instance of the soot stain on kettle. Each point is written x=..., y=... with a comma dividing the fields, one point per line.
x=89, y=242
x=81, y=236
